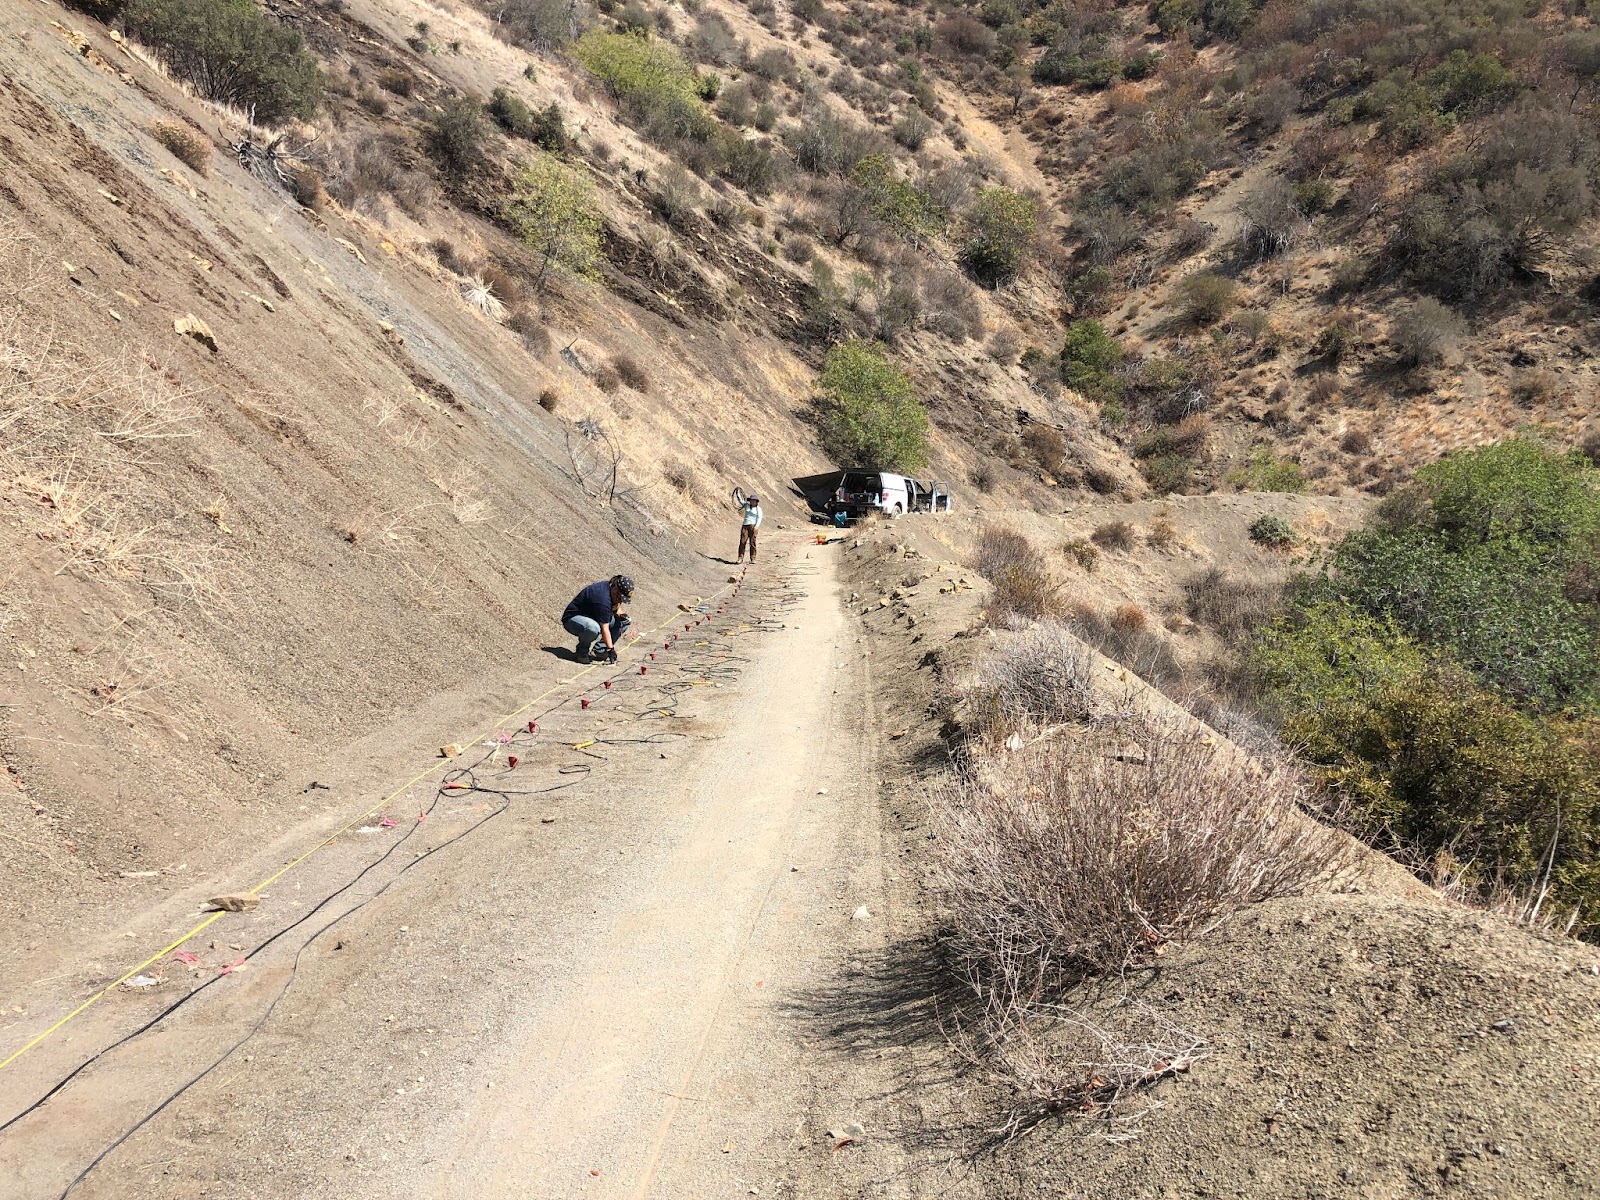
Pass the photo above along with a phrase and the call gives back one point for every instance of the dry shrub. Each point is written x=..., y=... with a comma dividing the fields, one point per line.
x=1356, y=441
x=188, y=146
x=1590, y=446
x=305, y=185
x=1129, y=640
x=549, y=398
x=1021, y=578
x=1425, y=333
x=1535, y=387
x=631, y=373
x=1162, y=531
x=1041, y=675
x=1113, y=535
x=524, y=322
x=1129, y=618
x=366, y=171
x=1000, y=547
x=1324, y=390
x=1047, y=446
x=506, y=287
x=679, y=476
x=1068, y=860
x=1232, y=608
x=1083, y=552
x=608, y=379
x=1026, y=590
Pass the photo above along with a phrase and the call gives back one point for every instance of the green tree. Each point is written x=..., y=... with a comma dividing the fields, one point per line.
x=869, y=412
x=997, y=235
x=556, y=214
x=231, y=52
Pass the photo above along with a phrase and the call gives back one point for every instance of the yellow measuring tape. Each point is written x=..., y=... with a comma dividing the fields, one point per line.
x=293, y=863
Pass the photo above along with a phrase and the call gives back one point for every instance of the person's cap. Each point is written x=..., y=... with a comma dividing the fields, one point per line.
x=755, y=499
x=623, y=584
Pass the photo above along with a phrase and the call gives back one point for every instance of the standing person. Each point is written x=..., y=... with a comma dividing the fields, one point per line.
x=595, y=617
x=751, y=523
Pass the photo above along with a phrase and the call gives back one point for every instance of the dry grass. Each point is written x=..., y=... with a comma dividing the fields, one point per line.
x=479, y=295
x=1082, y=856
x=466, y=505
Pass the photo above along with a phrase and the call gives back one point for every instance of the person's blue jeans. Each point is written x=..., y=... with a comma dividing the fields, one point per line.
x=587, y=630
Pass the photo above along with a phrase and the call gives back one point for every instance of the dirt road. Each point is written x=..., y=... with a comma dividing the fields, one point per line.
x=612, y=989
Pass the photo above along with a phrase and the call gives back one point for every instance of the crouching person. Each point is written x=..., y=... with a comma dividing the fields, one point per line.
x=596, y=619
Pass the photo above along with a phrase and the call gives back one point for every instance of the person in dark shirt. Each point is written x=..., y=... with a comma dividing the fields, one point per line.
x=595, y=617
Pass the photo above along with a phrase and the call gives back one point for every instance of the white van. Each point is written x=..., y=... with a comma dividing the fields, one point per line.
x=851, y=495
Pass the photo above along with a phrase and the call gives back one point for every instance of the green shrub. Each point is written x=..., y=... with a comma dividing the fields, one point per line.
x=1483, y=558
x=1205, y=297
x=1432, y=763
x=1467, y=82
x=1089, y=292
x=648, y=77
x=1058, y=67
x=1271, y=530
x=1266, y=472
x=1100, y=73
x=1167, y=473
x=544, y=127
x=869, y=414
x=555, y=212
x=454, y=136
x=903, y=206
x=1088, y=357
x=231, y=52
x=996, y=235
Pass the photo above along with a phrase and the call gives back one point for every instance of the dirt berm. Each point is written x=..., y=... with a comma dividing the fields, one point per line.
x=1380, y=1042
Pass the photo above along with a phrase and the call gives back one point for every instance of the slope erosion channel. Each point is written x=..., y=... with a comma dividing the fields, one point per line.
x=583, y=973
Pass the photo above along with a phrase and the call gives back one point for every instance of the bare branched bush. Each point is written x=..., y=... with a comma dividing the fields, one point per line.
x=1058, y=1061
x=1066, y=860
